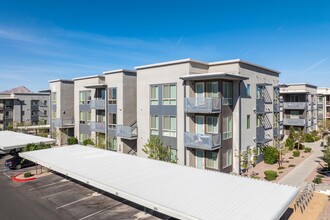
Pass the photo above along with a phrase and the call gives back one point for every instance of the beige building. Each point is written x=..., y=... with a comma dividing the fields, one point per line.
x=299, y=107
x=209, y=113
x=323, y=105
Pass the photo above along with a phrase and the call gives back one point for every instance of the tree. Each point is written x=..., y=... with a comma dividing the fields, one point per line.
x=291, y=132
x=298, y=137
x=323, y=127
x=32, y=147
x=326, y=157
x=155, y=149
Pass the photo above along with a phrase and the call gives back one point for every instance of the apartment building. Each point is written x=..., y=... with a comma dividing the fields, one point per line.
x=23, y=109
x=323, y=105
x=105, y=110
x=299, y=107
x=62, y=110
x=208, y=113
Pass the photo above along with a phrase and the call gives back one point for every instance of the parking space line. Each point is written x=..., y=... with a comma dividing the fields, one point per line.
x=54, y=194
x=79, y=200
x=40, y=187
x=102, y=210
x=7, y=175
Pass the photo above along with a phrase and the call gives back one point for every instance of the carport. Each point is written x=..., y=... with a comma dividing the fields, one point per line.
x=10, y=140
x=178, y=191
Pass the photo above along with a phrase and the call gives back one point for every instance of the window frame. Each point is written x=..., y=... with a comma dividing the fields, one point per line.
x=227, y=158
x=207, y=125
x=112, y=100
x=226, y=134
x=154, y=100
x=227, y=93
x=154, y=130
x=248, y=121
x=169, y=100
x=169, y=132
x=215, y=165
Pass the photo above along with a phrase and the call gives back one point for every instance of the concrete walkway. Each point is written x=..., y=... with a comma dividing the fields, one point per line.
x=298, y=175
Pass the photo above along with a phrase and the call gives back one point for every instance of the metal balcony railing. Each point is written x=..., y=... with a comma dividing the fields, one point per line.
x=294, y=121
x=98, y=104
x=202, y=141
x=276, y=132
x=97, y=126
x=294, y=105
x=319, y=105
x=261, y=136
x=126, y=132
x=60, y=123
x=202, y=105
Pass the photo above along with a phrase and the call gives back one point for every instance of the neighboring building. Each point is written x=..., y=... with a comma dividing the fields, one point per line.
x=105, y=110
x=323, y=105
x=208, y=113
x=18, y=109
x=62, y=110
x=299, y=107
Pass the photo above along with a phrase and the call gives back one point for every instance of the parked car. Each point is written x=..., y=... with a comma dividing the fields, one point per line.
x=17, y=163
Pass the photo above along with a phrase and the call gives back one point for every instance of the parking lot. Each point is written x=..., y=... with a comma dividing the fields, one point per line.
x=55, y=197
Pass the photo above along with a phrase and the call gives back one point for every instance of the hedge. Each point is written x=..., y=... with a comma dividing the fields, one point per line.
x=296, y=153
x=308, y=149
x=270, y=175
x=270, y=155
x=72, y=141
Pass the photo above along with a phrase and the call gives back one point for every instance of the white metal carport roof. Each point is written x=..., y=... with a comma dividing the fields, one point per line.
x=11, y=140
x=178, y=191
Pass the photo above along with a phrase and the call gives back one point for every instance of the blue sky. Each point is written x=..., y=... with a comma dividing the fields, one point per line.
x=42, y=40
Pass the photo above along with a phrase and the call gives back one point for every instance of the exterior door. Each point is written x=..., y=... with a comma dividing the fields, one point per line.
x=199, y=93
x=199, y=124
x=200, y=159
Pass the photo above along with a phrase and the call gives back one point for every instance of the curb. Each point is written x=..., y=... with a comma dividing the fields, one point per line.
x=22, y=180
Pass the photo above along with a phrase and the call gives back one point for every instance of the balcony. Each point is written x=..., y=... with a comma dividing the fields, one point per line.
x=261, y=136
x=202, y=141
x=98, y=126
x=319, y=105
x=294, y=121
x=294, y=105
x=126, y=132
x=202, y=105
x=63, y=123
x=276, y=107
x=276, y=132
x=98, y=104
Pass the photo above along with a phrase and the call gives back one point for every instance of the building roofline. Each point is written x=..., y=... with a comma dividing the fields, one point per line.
x=88, y=77
x=170, y=63
x=119, y=71
x=61, y=80
x=25, y=93
x=299, y=84
x=242, y=61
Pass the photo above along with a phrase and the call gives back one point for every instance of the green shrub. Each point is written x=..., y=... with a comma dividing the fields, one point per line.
x=315, y=133
x=88, y=142
x=280, y=168
x=32, y=147
x=296, y=153
x=307, y=150
x=270, y=155
x=289, y=143
x=317, y=180
x=292, y=165
x=317, y=138
x=255, y=177
x=309, y=138
x=72, y=141
x=301, y=146
x=270, y=175
x=27, y=174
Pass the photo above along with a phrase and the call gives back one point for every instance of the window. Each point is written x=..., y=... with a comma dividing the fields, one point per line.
x=45, y=112
x=169, y=94
x=228, y=127
x=212, y=125
x=248, y=90
x=112, y=144
x=45, y=102
x=294, y=114
x=88, y=118
x=211, y=159
x=100, y=94
x=100, y=116
x=227, y=158
x=82, y=97
x=82, y=117
x=153, y=95
x=54, y=98
x=227, y=93
x=169, y=126
x=173, y=155
x=248, y=121
x=34, y=102
x=154, y=125
x=258, y=121
x=112, y=121
x=112, y=96
x=212, y=89
x=88, y=96
x=23, y=113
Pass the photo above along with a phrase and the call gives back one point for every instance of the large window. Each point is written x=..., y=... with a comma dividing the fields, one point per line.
x=169, y=94
x=169, y=126
x=211, y=159
x=154, y=125
x=212, y=89
x=88, y=118
x=228, y=127
x=248, y=90
x=112, y=121
x=54, y=98
x=212, y=125
x=34, y=102
x=153, y=95
x=81, y=97
x=227, y=158
x=112, y=96
x=82, y=119
x=227, y=93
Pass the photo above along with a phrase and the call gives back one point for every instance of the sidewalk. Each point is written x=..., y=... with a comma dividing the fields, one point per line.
x=298, y=175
